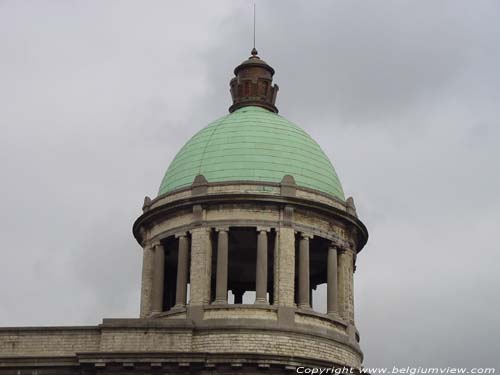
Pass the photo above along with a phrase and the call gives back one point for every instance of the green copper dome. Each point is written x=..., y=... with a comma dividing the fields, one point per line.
x=252, y=144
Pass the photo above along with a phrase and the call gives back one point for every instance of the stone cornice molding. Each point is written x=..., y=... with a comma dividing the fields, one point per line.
x=171, y=207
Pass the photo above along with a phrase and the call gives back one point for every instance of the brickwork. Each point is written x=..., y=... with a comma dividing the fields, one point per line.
x=243, y=188
x=249, y=188
x=50, y=341
x=171, y=223
x=279, y=330
x=286, y=267
x=145, y=339
x=237, y=213
x=201, y=266
x=345, y=281
x=69, y=341
x=171, y=197
x=306, y=194
x=292, y=345
x=240, y=313
x=318, y=322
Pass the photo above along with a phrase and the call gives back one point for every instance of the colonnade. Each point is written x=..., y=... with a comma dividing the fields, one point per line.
x=339, y=275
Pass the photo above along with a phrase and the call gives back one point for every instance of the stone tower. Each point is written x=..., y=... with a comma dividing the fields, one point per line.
x=250, y=219
x=251, y=204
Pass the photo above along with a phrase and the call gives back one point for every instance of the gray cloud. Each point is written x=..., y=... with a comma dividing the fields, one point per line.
x=403, y=96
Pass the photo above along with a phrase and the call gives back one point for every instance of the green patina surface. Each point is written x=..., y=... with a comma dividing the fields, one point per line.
x=252, y=144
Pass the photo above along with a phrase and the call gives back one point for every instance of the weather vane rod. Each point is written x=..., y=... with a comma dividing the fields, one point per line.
x=254, y=25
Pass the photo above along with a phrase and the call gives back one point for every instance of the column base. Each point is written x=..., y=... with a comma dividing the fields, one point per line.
x=261, y=301
x=178, y=307
x=305, y=306
x=334, y=314
x=219, y=302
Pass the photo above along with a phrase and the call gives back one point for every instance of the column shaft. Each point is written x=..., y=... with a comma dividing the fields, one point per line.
x=147, y=280
x=182, y=272
x=261, y=268
x=332, y=281
x=158, y=278
x=304, y=273
x=222, y=264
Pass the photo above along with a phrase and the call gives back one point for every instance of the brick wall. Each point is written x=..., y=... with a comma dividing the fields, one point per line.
x=48, y=341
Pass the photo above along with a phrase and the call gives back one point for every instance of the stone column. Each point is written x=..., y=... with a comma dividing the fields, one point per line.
x=261, y=269
x=182, y=272
x=222, y=264
x=158, y=278
x=304, y=280
x=147, y=280
x=332, y=282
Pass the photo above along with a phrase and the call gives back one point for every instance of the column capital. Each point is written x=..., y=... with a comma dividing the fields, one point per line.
x=263, y=229
x=333, y=246
x=306, y=236
x=147, y=245
x=345, y=246
x=181, y=234
x=156, y=244
x=199, y=229
x=222, y=229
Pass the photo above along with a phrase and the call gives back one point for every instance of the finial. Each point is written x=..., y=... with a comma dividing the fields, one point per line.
x=253, y=82
x=253, y=85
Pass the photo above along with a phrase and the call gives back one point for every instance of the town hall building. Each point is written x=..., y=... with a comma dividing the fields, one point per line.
x=249, y=206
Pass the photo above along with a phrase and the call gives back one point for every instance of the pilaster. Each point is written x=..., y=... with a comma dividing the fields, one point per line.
x=285, y=279
x=201, y=266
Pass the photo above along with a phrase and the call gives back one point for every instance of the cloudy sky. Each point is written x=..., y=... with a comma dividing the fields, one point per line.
x=404, y=96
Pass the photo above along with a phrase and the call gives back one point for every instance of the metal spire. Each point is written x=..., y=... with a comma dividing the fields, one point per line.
x=254, y=50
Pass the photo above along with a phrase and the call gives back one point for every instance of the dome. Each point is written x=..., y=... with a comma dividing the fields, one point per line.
x=252, y=144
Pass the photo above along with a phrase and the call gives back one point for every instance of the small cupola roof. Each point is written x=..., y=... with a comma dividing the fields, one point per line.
x=253, y=84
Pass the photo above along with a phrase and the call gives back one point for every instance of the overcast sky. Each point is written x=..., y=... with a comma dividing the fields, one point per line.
x=404, y=97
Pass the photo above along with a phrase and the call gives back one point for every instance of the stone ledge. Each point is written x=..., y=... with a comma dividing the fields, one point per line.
x=48, y=328
x=258, y=187
x=241, y=306
x=322, y=316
